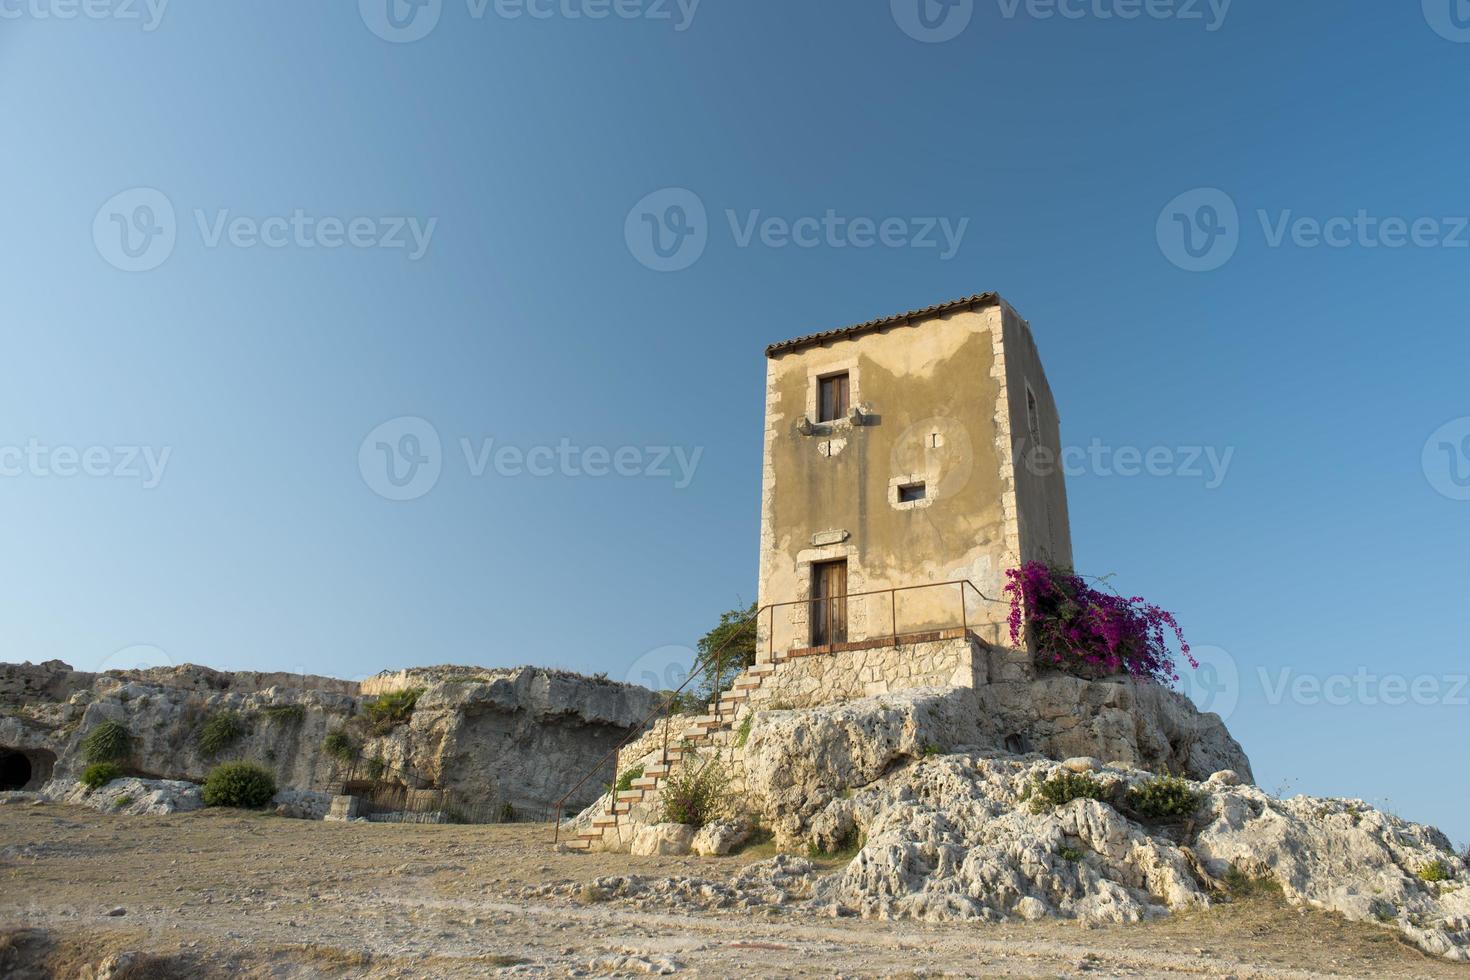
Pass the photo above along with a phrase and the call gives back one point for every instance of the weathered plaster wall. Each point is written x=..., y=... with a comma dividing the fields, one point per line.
x=1040, y=484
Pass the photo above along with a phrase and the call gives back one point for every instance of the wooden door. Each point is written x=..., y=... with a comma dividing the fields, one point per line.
x=829, y=603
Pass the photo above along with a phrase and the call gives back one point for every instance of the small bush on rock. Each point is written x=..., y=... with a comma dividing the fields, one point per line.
x=1063, y=788
x=123, y=801
x=1434, y=871
x=393, y=708
x=221, y=731
x=241, y=784
x=696, y=796
x=288, y=714
x=1164, y=798
x=108, y=742
x=99, y=774
x=339, y=745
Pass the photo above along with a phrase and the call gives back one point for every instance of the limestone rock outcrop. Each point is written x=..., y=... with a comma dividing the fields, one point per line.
x=509, y=737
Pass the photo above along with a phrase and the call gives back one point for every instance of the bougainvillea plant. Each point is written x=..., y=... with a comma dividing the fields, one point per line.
x=1078, y=628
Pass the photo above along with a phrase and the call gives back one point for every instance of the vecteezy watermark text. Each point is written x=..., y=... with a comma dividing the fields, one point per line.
x=569, y=460
x=149, y=13
x=1364, y=687
x=402, y=459
x=37, y=460
x=1209, y=464
x=936, y=21
x=137, y=230
x=1200, y=230
x=669, y=229
x=405, y=21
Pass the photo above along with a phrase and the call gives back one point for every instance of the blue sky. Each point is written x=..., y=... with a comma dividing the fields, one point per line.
x=1067, y=156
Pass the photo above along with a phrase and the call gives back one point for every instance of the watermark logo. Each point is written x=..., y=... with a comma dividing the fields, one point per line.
x=401, y=21
x=1199, y=230
x=1210, y=13
x=1450, y=19
x=37, y=460
x=149, y=13
x=1364, y=687
x=566, y=459
x=135, y=230
x=668, y=230
x=401, y=459
x=1208, y=464
x=933, y=21
x=1215, y=685
x=1446, y=459
x=661, y=669
x=139, y=656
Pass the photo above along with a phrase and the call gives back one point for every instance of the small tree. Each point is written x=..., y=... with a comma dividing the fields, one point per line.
x=729, y=648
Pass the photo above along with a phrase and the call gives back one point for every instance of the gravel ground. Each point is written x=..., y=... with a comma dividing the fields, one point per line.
x=225, y=893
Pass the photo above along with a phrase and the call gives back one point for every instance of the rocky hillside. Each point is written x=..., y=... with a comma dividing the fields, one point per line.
x=518, y=737
x=943, y=825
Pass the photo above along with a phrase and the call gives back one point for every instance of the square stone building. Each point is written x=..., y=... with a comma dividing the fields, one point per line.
x=909, y=461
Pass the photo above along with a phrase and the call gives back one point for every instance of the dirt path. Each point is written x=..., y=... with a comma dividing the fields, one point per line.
x=229, y=894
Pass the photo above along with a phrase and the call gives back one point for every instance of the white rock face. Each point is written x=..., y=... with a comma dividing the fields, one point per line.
x=135, y=797
x=953, y=835
x=663, y=838
x=721, y=837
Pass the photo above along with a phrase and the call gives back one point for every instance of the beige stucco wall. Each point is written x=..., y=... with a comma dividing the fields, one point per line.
x=939, y=396
x=803, y=682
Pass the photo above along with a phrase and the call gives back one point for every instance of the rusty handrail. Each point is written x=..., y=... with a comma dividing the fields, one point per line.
x=702, y=665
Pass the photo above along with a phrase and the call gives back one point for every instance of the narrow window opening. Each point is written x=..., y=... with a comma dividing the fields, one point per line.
x=912, y=492
x=1033, y=417
x=832, y=394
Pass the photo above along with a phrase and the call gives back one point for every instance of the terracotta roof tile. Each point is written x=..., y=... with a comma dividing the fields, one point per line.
x=814, y=339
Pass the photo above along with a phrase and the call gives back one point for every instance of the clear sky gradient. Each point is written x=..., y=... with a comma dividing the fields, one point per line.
x=259, y=354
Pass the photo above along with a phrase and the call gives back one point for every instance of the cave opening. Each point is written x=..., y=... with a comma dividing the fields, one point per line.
x=15, y=770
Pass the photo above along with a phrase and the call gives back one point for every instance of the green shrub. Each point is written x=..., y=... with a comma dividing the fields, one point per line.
x=625, y=780
x=108, y=742
x=339, y=745
x=1164, y=798
x=742, y=735
x=242, y=784
x=123, y=801
x=375, y=768
x=99, y=774
x=222, y=730
x=1434, y=871
x=507, y=813
x=289, y=714
x=1071, y=854
x=696, y=796
x=393, y=708
x=1063, y=788
x=930, y=750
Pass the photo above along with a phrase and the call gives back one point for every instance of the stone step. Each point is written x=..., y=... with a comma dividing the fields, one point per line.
x=622, y=807
x=760, y=670
x=746, y=685
x=656, y=770
x=590, y=835
x=733, y=695
x=579, y=845
x=644, y=782
x=608, y=821
x=704, y=720
x=630, y=794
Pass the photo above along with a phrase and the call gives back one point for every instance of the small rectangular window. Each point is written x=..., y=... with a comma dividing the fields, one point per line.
x=832, y=398
x=911, y=493
x=1033, y=416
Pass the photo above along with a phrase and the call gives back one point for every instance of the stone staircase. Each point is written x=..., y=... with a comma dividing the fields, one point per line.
x=700, y=732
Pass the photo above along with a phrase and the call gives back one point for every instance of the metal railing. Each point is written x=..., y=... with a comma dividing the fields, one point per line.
x=714, y=664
